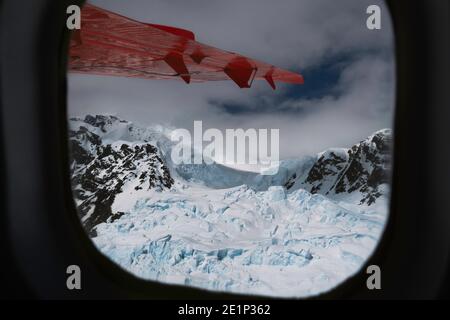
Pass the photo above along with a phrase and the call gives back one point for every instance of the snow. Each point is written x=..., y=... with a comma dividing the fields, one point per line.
x=270, y=242
x=227, y=230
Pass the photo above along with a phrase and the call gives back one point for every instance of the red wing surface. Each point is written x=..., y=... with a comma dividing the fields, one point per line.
x=114, y=45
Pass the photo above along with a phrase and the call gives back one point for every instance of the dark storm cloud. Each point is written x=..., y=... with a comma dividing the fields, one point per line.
x=338, y=109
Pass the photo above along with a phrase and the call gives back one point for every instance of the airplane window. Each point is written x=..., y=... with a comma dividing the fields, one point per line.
x=235, y=146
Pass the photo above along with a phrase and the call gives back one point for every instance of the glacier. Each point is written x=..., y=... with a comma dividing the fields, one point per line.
x=298, y=233
x=239, y=240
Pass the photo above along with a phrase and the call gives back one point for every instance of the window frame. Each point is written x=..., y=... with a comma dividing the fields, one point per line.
x=41, y=223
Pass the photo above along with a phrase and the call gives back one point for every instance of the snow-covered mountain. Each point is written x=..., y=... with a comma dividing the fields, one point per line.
x=296, y=233
x=101, y=171
x=361, y=171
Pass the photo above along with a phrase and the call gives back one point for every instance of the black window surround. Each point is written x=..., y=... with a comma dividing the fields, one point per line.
x=41, y=233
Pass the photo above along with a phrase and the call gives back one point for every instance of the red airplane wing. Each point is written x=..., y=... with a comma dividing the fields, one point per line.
x=111, y=44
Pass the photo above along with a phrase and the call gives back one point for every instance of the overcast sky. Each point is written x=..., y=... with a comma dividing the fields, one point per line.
x=349, y=71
